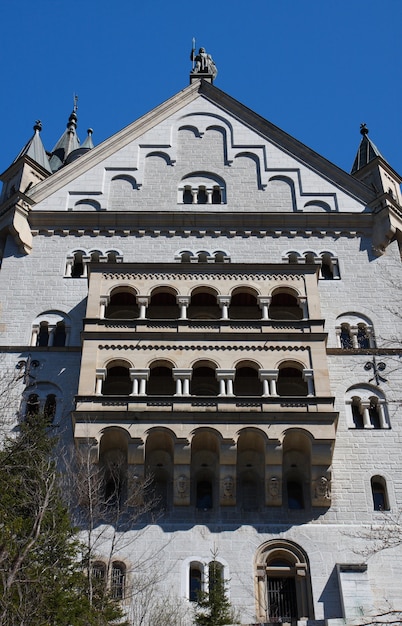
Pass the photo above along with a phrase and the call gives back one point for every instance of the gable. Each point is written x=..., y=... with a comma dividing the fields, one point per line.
x=194, y=144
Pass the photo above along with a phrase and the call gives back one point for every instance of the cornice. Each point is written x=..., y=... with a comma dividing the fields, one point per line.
x=202, y=347
x=196, y=224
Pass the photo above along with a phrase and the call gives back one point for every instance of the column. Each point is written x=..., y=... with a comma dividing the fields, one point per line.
x=268, y=378
x=104, y=301
x=34, y=335
x=194, y=193
x=224, y=302
x=302, y=301
x=353, y=335
x=182, y=378
x=139, y=379
x=264, y=303
x=225, y=379
x=183, y=302
x=209, y=196
x=365, y=411
x=142, y=302
x=69, y=267
x=51, y=330
x=100, y=377
x=85, y=261
x=308, y=376
x=381, y=415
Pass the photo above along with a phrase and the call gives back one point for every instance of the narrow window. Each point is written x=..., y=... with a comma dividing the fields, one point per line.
x=345, y=338
x=50, y=407
x=204, y=495
x=187, y=195
x=59, y=338
x=363, y=338
x=216, y=196
x=379, y=492
x=43, y=335
x=202, y=196
x=282, y=603
x=357, y=414
x=117, y=581
x=295, y=495
x=32, y=406
x=77, y=269
x=195, y=582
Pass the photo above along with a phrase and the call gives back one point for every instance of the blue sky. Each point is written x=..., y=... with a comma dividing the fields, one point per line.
x=316, y=69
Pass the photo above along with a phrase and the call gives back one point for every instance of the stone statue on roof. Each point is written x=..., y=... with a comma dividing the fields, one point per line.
x=203, y=63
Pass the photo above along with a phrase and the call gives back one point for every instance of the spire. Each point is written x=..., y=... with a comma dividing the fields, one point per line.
x=88, y=143
x=35, y=150
x=366, y=152
x=67, y=142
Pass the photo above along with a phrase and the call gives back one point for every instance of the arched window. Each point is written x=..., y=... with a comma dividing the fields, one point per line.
x=195, y=581
x=50, y=407
x=117, y=582
x=246, y=382
x=284, y=306
x=329, y=267
x=32, y=406
x=43, y=335
x=287, y=595
x=59, y=337
x=77, y=267
x=117, y=381
x=203, y=305
x=99, y=573
x=122, y=305
x=160, y=382
x=163, y=305
x=367, y=408
x=243, y=305
x=291, y=381
x=202, y=188
x=379, y=493
x=203, y=381
x=354, y=331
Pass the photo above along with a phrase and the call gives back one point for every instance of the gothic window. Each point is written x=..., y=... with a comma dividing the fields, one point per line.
x=112, y=256
x=379, y=493
x=117, y=582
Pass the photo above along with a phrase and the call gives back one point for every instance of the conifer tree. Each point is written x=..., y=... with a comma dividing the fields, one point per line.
x=42, y=581
x=213, y=607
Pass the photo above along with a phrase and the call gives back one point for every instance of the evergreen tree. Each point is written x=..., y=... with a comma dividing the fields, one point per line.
x=42, y=581
x=213, y=607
